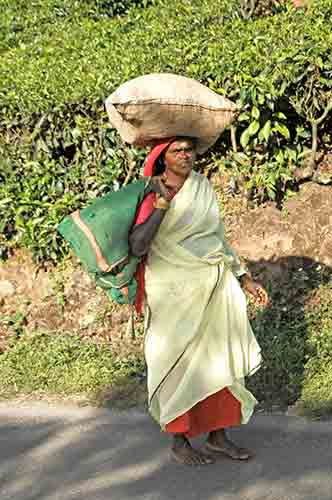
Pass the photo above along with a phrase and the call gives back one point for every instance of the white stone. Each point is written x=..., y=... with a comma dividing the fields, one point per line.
x=7, y=289
x=87, y=320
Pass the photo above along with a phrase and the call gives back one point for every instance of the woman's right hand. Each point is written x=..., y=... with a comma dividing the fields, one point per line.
x=161, y=202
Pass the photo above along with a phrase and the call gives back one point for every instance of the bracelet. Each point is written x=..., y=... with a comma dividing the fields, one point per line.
x=161, y=203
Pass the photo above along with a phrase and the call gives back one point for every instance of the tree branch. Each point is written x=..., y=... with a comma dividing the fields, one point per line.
x=35, y=134
x=328, y=108
x=314, y=127
x=233, y=138
x=131, y=167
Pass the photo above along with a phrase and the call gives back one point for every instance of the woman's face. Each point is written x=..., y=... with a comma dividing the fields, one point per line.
x=180, y=157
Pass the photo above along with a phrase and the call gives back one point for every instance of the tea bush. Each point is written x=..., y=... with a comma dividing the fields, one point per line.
x=21, y=22
x=56, y=150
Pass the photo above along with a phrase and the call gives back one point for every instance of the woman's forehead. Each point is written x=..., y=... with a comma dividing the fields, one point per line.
x=181, y=143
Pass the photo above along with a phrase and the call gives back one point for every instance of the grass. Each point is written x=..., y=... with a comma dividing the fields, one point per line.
x=316, y=396
x=65, y=364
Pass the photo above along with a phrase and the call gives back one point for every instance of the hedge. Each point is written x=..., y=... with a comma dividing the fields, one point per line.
x=56, y=149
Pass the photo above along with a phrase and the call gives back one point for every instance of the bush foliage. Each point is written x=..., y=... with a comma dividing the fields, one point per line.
x=21, y=22
x=60, y=60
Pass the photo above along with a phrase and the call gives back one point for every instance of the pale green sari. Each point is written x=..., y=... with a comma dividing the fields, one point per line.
x=198, y=337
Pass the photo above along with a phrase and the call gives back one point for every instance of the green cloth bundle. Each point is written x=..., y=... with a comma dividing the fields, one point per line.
x=98, y=235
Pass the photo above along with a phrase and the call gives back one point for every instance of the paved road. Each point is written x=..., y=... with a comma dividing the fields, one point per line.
x=90, y=454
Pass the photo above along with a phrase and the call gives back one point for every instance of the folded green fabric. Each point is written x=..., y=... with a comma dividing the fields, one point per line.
x=98, y=235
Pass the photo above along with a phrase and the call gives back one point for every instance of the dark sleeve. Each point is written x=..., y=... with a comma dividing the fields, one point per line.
x=141, y=235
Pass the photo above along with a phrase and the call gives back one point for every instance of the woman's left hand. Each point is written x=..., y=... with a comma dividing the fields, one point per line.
x=255, y=289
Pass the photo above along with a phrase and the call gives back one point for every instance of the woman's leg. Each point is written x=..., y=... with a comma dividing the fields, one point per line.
x=184, y=453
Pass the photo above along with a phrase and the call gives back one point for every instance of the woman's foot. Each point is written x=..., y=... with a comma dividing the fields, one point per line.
x=183, y=453
x=219, y=443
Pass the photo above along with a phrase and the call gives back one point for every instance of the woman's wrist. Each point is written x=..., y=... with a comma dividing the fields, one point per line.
x=243, y=278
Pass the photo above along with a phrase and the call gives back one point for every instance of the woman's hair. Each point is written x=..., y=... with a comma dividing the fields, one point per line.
x=160, y=165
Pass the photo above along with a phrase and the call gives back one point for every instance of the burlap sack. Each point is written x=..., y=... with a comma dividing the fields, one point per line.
x=164, y=105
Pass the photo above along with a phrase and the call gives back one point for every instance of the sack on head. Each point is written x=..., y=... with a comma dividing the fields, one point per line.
x=164, y=105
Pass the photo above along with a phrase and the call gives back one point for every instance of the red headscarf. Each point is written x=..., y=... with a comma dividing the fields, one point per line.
x=153, y=156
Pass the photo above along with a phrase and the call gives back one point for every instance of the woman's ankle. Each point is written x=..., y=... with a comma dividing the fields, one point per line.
x=179, y=440
x=219, y=434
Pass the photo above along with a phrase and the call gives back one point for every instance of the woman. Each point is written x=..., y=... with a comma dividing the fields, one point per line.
x=199, y=345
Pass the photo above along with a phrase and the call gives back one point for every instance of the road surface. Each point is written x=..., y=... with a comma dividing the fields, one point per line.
x=73, y=453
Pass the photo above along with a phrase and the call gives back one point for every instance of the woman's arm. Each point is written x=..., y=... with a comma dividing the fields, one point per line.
x=141, y=236
x=149, y=217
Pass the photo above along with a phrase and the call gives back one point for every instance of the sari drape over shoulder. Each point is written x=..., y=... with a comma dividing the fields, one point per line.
x=198, y=338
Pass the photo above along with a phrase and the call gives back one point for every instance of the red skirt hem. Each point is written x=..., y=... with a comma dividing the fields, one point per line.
x=218, y=411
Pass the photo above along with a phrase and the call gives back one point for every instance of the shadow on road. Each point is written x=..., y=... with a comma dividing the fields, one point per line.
x=103, y=456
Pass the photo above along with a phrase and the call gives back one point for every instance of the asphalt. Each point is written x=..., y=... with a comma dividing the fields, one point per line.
x=73, y=453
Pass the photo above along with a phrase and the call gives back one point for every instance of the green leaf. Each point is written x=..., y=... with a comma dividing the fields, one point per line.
x=253, y=128
x=255, y=113
x=261, y=99
x=279, y=156
x=265, y=132
x=76, y=132
x=283, y=87
x=271, y=193
x=5, y=201
x=243, y=117
x=282, y=129
x=245, y=138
